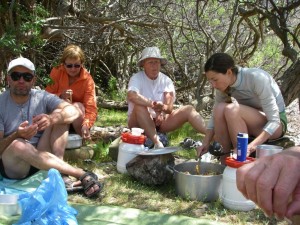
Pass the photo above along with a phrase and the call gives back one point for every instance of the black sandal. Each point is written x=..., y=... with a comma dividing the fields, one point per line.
x=89, y=180
x=69, y=184
x=217, y=150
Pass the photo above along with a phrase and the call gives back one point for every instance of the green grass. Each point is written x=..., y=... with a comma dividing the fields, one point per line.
x=108, y=117
x=123, y=190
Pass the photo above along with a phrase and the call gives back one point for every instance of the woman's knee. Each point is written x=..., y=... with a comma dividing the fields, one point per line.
x=219, y=110
x=231, y=111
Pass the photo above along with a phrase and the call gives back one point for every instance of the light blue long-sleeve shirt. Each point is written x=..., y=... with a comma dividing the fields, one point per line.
x=256, y=88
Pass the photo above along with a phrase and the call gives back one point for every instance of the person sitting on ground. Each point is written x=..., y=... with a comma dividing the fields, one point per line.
x=73, y=83
x=151, y=95
x=273, y=183
x=257, y=108
x=34, y=129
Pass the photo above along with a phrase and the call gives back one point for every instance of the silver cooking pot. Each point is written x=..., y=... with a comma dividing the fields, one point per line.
x=204, y=187
x=74, y=141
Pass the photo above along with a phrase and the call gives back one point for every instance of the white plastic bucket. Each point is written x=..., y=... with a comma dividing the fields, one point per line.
x=126, y=153
x=231, y=197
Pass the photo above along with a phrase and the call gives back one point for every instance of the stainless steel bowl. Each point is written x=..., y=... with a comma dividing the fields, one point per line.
x=265, y=150
x=9, y=205
x=74, y=141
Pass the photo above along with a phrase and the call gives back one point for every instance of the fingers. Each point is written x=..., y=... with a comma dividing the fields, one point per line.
x=287, y=187
x=201, y=150
x=243, y=178
x=270, y=183
x=42, y=121
x=294, y=205
x=27, y=132
x=24, y=124
x=85, y=133
x=265, y=184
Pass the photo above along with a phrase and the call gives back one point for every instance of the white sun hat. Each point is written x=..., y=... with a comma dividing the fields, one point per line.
x=21, y=62
x=151, y=52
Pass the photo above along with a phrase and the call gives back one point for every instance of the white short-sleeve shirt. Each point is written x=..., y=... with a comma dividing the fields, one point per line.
x=151, y=89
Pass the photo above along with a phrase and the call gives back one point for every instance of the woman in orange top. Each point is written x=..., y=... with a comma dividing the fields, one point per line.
x=73, y=83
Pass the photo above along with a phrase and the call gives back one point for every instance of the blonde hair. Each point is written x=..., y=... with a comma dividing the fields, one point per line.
x=72, y=52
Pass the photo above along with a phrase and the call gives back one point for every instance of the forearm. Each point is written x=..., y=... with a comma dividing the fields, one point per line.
x=5, y=142
x=139, y=99
x=260, y=139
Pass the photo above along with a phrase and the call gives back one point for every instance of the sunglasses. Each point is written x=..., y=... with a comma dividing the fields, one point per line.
x=72, y=65
x=15, y=76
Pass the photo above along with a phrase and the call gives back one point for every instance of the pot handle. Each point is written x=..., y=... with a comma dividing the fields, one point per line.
x=170, y=169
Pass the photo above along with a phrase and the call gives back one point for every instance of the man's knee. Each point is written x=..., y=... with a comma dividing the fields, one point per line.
x=80, y=108
x=18, y=147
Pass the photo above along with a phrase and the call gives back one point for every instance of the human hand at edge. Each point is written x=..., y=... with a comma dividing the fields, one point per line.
x=42, y=121
x=294, y=205
x=27, y=131
x=67, y=95
x=85, y=131
x=270, y=182
x=201, y=150
x=158, y=107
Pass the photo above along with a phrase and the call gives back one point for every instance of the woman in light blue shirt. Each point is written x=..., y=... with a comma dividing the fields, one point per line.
x=247, y=100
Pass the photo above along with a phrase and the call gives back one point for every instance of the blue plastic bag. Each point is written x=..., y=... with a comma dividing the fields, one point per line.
x=47, y=204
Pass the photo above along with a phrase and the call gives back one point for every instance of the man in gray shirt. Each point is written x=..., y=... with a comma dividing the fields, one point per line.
x=34, y=129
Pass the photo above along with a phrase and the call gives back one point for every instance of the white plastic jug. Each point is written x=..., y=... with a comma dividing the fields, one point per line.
x=128, y=149
x=231, y=197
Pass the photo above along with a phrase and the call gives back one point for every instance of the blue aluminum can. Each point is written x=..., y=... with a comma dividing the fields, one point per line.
x=242, y=145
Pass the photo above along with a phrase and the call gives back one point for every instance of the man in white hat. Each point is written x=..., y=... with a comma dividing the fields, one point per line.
x=151, y=95
x=34, y=129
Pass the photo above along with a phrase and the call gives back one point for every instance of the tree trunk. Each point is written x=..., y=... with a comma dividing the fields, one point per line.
x=289, y=83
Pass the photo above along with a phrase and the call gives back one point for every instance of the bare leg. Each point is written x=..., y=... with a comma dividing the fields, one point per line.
x=182, y=115
x=78, y=122
x=230, y=119
x=140, y=117
x=220, y=127
x=54, y=140
x=235, y=122
x=18, y=157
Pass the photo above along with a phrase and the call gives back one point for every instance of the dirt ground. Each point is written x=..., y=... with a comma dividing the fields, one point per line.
x=293, y=115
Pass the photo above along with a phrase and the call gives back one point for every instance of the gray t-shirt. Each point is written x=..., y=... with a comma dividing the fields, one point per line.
x=12, y=114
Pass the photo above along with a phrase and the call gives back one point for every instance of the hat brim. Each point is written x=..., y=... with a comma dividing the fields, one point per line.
x=163, y=61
